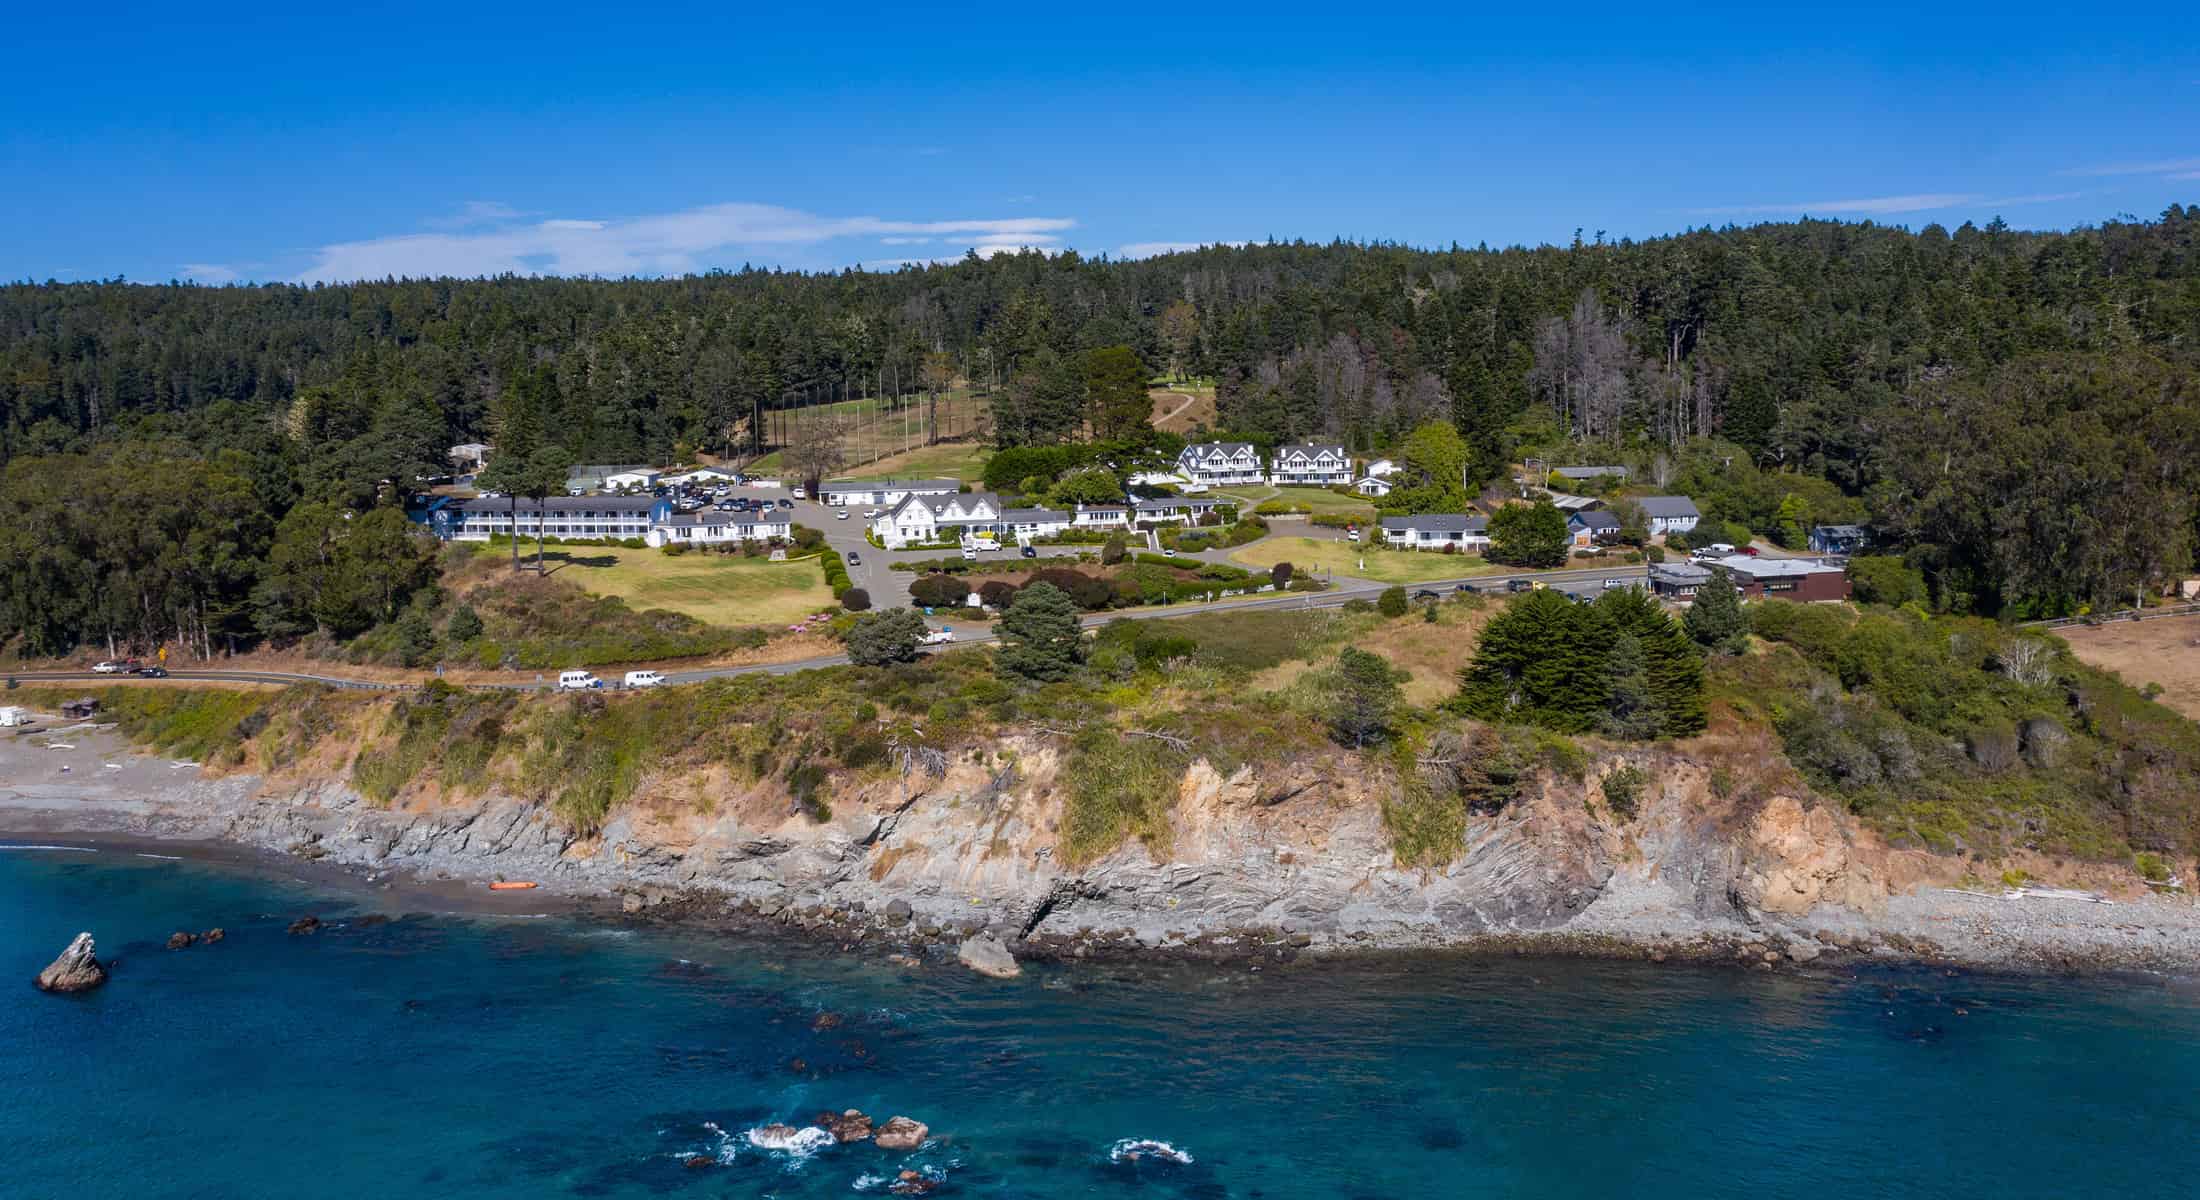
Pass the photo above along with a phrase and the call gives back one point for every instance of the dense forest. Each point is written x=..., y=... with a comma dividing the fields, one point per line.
x=2016, y=413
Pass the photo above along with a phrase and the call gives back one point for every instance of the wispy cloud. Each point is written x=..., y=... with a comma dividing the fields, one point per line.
x=656, y=244
x=1153, y=249
x=2186, y=175
x=1883, y=205
x=211, y=273
x=1025, y=198
x=477, y=212
x=2160, y=166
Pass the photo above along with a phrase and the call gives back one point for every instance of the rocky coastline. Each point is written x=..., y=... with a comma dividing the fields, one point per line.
x=1263, y=870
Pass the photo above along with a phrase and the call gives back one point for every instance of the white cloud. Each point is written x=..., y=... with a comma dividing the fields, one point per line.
x=905, y=241
x=1026, y=198
x=211, y=273
x=1878, y=205
x=2186, y=175
x=2163, y=166
x=477, y=212
x=1153, y=249
x=656, y=244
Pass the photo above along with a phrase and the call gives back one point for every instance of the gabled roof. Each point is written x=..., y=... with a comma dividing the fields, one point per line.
x=1668, y=507
x=1312, y=449
x=1209, y=449
x=1589, y=472
x=1036, y=516
x=616, y=504
x=891, y=485
x=1174, y=504
x=939, y=504
x=1440, y=522
x=1596, y=520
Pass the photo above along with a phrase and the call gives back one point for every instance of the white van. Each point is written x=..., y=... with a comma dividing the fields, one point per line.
x=642, y=679
x=577, y=681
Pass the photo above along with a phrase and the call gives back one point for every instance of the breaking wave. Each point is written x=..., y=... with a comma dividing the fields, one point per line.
x=1135, y=1149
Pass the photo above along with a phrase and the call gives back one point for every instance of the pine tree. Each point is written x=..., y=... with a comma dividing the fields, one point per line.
x=1716, y=619
x=1362, y=696
x=1040, y=638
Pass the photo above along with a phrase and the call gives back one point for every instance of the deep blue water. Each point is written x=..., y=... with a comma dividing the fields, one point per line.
x=494, y=1057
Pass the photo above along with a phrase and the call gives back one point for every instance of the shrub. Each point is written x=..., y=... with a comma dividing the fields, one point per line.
x=675, y=549
x=996, y=593
x=1393, y=602
x=938, y=591
x=2150, y=867
x=885, y=637
x=1623, y=791
x=1280, y=575
x=465, y=624
x=855, y=599
x=1113, y=551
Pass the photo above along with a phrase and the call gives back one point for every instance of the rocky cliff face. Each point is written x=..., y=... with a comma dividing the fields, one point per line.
x=1287, y=857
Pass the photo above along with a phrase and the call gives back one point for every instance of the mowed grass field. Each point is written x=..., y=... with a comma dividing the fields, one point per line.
x=1344, y=558
x=1306, y=499
x=722, y=589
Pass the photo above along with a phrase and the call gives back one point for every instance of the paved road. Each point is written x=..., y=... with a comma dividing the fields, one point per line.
x=1578, y=581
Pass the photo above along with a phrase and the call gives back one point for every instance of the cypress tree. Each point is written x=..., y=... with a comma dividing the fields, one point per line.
x=1716, y=619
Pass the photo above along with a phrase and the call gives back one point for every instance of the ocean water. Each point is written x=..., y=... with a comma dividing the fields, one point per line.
x=431, y=1056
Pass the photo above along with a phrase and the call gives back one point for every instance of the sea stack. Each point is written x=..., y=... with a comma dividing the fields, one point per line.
x=77, y=970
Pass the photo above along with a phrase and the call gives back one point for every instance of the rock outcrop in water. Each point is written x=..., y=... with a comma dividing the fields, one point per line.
x=987, y=956
x=901, y=1133
x=77, y=970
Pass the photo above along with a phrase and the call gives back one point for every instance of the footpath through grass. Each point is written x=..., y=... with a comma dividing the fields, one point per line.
x=719, y=589
x=1345, y=558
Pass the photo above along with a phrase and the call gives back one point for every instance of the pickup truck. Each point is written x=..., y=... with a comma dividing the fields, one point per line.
x=938, y=637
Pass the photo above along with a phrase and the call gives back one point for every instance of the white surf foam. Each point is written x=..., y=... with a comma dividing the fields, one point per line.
x=1134, y=1149
x=71, y=849
x=794, y=1142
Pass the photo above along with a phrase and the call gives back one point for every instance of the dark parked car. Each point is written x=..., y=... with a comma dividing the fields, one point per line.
x=154, y=672
x=1519, y=585
x=854, y=559
x=786, y=504
x=1031, y=552
x=1426, y=594
x=1466, y=588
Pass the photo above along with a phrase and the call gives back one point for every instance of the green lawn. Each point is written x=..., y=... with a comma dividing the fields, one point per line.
x=1344, y=558
x=722, y=589
x=1308, y=499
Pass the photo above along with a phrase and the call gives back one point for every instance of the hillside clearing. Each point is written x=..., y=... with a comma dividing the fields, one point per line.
x=2164, y=652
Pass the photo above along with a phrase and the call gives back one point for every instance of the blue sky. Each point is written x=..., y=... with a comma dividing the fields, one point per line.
x=340, y=141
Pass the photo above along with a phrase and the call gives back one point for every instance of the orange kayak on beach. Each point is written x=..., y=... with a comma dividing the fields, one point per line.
x=501, y=886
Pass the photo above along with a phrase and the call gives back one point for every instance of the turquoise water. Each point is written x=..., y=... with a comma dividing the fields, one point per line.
x=493, y=1057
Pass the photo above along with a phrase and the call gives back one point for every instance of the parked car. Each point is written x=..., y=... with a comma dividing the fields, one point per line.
x=1168, y=552
x=970, y=553
x=1426, y=594
x=108, y=668
x=938, y=637
x=870, y=514
x=1031, y=552
x=1615, y=583
x=1466, y=588
x=854, y=559
x=840, y=514
x=1352, y=533
x=645, y=679
x=156, y=671
x=784, y=503
x=1520, y=585
x=577, y=681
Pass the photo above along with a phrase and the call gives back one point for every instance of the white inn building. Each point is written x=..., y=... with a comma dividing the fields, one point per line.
x=1219, y=464
x=1310, y=464
x=557, y=516
x=884, y=492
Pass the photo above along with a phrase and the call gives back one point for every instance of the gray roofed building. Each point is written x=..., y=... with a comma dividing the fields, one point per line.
x=1589, y=472
x=1669, y=514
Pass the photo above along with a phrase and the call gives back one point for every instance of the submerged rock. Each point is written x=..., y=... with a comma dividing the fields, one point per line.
x=77, y=970
x=912, y=1183
x=212, y=936
x=987, y=956
x=182, y=941
x=901, y=1133
x=305, y=924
